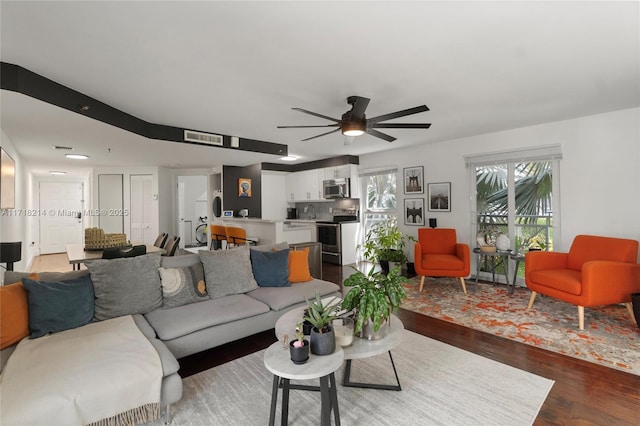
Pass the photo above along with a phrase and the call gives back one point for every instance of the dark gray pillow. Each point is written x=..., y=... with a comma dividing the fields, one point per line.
x=58, y=305
x=14, y=277
x=181, y=286
x=126, y=286
x=227, y=271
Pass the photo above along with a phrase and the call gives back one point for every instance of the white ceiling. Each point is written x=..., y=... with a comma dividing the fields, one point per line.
x=237, y=68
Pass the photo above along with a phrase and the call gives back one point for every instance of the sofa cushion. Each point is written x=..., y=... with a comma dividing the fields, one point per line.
x=271, y=247
x=180, y=261
x=177, y=322
x=126, y=286
x=227, y=271
x=181, y=286
x=13, y=276
x=279, y=298
x=14, y=313
x=58, y=305
x=299, y=266
x=271, y=268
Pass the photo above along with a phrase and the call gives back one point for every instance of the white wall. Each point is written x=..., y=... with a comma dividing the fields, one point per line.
x=599, y=174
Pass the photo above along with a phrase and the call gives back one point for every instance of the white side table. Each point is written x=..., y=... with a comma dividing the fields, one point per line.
x=277, y=360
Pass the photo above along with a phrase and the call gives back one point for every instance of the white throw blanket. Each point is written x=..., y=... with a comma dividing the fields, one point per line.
x=105, y=371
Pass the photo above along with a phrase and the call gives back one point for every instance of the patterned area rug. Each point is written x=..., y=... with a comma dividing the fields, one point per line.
x=609, y=338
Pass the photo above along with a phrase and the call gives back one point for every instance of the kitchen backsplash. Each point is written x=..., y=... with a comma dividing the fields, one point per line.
x=326, y=210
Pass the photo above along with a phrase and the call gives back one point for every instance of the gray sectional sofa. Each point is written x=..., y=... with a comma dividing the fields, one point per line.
x=200, y=321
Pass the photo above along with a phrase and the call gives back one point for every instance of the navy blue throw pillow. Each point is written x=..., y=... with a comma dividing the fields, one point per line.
x=271, y=268
x=58, y=305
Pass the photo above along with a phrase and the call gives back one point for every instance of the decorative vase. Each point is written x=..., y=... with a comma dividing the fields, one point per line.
x=503, y=243
x=343, y=330
x=299, y=355
x=322, y=343
x=635, y=302
x=367, y=331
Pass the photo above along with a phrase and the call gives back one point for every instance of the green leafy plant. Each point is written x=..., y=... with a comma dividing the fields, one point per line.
x=385, y=242
x=299, y=335
x=373, y=296
x=321, y=315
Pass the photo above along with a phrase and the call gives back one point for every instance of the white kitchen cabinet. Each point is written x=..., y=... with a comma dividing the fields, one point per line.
x=338, y=172
x=305, y=185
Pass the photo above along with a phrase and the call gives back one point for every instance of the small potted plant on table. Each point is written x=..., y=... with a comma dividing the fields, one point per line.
x=299, y=348
x=321, y=316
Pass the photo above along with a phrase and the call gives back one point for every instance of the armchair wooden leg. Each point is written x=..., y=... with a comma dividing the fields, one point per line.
x=630, y=309
x=464, y=287
x=421, y=282
x=531, y=299
x=581, y=317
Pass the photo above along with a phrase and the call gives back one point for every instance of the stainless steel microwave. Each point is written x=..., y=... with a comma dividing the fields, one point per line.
x=337, y=188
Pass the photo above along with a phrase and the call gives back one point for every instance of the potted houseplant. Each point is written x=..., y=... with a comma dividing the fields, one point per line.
x=321, y=316
x=372, y=297
x=385, y=243
x=299, y=348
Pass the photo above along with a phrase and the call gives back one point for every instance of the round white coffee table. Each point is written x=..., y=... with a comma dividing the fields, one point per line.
x=360, y=348
x=278, y=361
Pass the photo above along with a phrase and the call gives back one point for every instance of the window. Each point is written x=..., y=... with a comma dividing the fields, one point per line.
x=515, y=197
x=380, y=202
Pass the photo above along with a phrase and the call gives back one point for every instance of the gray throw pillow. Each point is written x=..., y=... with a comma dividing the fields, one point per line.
x=58, y=305
x=181, y=286
x=126, y=286
x=227, y=271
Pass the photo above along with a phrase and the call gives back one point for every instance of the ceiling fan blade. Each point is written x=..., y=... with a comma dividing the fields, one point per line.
x=380, y=135
x=326, y=117
x=303, y=127
x=359, y=106
x=401, y=125
x=348, y=140
x=313, y=137
x=397, y=114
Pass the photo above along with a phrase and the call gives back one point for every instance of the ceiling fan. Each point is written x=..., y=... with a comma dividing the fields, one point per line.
x=355, y=123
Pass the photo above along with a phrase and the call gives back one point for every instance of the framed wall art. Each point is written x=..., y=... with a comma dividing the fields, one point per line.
x=439, y=197
x=244, y=187
x=414, y=180
x=414, y=211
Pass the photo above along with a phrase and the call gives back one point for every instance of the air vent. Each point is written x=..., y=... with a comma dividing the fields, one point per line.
x=207, y=138
x=62, y=148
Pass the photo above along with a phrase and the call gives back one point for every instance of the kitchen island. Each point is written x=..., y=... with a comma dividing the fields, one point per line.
x=274, y=231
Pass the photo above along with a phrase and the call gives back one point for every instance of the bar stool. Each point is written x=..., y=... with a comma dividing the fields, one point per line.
x=218, y=235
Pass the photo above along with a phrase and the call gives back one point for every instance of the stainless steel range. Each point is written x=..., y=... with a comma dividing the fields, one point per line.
x=330, y=236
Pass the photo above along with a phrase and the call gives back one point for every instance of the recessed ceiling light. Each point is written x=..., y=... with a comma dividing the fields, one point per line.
x=57, y=173
x=289, y=158
x=77, y=156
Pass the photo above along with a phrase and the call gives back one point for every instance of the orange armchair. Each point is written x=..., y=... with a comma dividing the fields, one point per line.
x=596, y=271
x=439, y=254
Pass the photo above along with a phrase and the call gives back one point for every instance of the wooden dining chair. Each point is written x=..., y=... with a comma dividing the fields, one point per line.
x=172, y=246
x=161, y=240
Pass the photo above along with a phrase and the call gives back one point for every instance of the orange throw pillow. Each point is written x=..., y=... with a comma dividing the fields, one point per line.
x=299, y=266
x=14, y=313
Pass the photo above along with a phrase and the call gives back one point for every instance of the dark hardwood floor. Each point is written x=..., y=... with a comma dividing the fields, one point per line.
x=583, y=393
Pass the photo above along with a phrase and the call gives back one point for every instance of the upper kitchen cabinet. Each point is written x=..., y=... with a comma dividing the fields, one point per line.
x=305, y=185
x=338, y=172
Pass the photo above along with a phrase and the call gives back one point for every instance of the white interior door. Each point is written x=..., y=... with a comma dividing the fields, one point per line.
x=111, y=204
x=143, y=226
x=62, y=224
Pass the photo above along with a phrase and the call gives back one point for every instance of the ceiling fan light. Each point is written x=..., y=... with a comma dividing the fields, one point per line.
x=352, y=129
